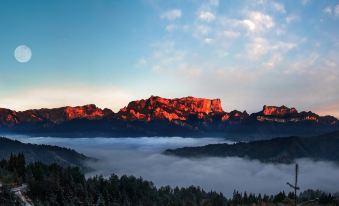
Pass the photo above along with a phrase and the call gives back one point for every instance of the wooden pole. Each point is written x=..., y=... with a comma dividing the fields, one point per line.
x=295, y=186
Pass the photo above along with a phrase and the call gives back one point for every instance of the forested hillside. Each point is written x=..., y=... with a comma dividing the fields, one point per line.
x=43, y=153
x=277, y=150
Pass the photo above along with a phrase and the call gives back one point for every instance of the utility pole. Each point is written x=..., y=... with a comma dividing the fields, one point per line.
x=295, y=186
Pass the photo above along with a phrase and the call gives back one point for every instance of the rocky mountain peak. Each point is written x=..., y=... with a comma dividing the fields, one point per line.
x=157, y=107
x=89, y=111
x=278, y=111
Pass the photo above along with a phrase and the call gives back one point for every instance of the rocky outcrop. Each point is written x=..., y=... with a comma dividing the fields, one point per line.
x=8, y=117
x=278, y=111
x=158, y=108
x=285, y=114
x=57, y=115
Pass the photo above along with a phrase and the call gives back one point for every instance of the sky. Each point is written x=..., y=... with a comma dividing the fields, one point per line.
x=247, y=53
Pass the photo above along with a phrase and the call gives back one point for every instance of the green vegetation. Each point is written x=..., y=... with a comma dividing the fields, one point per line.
x=56, y=185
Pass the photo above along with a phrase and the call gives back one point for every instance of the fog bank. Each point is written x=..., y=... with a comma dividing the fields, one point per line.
x=142, y=157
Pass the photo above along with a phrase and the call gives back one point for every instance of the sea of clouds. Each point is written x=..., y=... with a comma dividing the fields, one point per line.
x=143, y=157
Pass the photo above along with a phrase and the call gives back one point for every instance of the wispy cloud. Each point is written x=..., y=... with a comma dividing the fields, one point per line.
x=305, y=2
x=327, y=10
x=258, y=21
x=171, y=27
x=332, y=10
x=279, y=7
x=171, y=14
x=230, y=34
x=292, y=18
x=259, y=47
x=336, y=10
x=214, y=2
x=206, y=16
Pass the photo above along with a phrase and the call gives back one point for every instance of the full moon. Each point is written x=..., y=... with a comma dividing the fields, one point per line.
x=23, y=54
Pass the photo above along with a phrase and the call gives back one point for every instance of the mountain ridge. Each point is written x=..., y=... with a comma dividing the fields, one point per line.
x=47, y=154
x=187, y=116
x=277, y=150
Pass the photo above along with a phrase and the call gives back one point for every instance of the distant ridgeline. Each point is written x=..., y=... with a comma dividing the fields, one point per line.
x=158, y=116
x=42, y=153
x=277, y=150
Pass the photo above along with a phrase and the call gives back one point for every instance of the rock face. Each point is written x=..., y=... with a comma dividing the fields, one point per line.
x=156, y=108
x=278, y=111
x=284, y=114
x=8, y=117
x=57, y=115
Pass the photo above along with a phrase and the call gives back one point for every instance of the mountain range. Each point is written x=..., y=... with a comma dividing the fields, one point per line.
x=278, y=150
x=157, y=116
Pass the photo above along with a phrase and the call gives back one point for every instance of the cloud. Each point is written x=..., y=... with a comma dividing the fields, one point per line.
x=176, y=27
x=214, y=2
x=166, y=57
x=292, y=18
x=257, y=48
x=230, y=34
x=274, y=60
x=258, y=21
x=171, y=27
x=208, y=40
x=279, y=7
x=270, y=4
x=142, y=157
x=336, y=10
x=141, y=63
x=252, y=21
x=171, y=14
x=277, y=56
x=206, y=16
x=327, y=10
x=305, y=2
x=260, y=1
x=303, y=65
x=202, y=30
x=260, y=47
x=250, y=25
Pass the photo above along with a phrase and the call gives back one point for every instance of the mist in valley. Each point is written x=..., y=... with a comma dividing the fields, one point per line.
x=143, y=157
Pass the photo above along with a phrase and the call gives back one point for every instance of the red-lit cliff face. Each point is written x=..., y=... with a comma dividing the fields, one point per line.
x=56, y=115
x=234, y=115
x=278, y=111
x=169, y=109
x=84, y=112
x=284, y=114
x=8, y=117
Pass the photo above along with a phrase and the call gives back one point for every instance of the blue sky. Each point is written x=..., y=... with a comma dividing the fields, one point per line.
x=248, y=53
